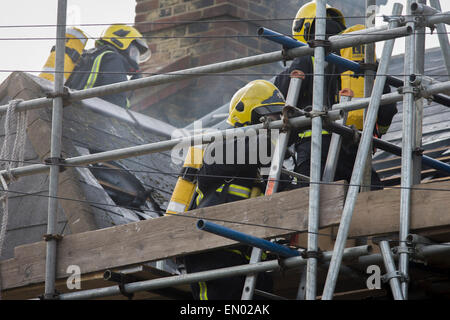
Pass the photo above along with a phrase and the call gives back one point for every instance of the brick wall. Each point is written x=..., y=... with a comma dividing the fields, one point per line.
x=189, y=33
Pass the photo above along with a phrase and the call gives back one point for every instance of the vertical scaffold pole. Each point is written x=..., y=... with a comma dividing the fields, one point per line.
x=407, y=152
x=443, y=38
x=336, y=141
x=274, y=176
x=369, y=79
x=361, y=157
x=316, y=152
x=55, y=153
x=420, y=69
x=369, y=50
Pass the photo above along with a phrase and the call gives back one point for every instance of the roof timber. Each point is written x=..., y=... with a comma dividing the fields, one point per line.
x=375, y=213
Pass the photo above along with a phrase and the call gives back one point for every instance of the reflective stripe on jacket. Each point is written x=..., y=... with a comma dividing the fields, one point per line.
x=95, y=70
x=308, y=133
x=233, y=189
x=91, y=81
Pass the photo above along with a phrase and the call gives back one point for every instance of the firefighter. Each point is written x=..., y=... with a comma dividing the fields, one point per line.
x=116, y=56
x=303, y=30
x=222, y=182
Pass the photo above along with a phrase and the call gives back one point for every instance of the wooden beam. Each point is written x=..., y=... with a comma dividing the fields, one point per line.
x=375, y=213
x=95, y=280
x=378, y=212
x=171, y=236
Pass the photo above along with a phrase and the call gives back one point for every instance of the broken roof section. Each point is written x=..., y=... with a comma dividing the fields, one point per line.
x=435, y=129
x=88, y=198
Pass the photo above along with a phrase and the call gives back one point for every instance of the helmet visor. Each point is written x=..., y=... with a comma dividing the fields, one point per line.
x=144, y=51
x=259, y=112
x=134, y=54
x=298, y=25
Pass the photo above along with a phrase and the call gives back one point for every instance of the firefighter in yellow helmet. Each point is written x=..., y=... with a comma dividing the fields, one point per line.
x=303, y=26
x=303, y=29
x=257, y=99
x=224, y=178
x=117, y=55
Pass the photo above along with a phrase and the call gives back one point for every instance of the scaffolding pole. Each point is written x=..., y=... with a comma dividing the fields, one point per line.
x=407, y=153
x=282, y=55
x=369, y=79
x=246, y=239
x=316, y=153
x=275, y=265
x=420, y=69
x=336, y=142
x=340, y=252
x=135, y=151
x=361, y=157
x=443, y=38
x=428, y=251
x=55, y=153
x=425, y=92
x=428, y=21
x=386, y=146
x=344, y=64
x=168, y=144
x=391, y=274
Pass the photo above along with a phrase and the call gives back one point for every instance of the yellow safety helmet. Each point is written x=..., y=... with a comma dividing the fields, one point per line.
x=303, y=24
x=122, y=37
x=258, y=98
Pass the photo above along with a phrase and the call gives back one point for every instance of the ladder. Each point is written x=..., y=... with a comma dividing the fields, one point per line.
x=274, y=175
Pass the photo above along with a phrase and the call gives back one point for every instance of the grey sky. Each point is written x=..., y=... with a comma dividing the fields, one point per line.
x=32, y=54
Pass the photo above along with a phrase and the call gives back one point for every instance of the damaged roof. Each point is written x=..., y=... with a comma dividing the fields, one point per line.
x=86, y=197
x=435, y=130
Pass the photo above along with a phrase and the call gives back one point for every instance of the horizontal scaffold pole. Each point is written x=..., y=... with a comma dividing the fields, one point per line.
x=426, y=92
x=343, y=63
x=168, y=144
x=135, y=151
x=246, y=239
x=292, y=262
x=387, y=146
x=226, y=66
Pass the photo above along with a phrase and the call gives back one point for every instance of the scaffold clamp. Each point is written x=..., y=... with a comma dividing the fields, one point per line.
x=285, y=56
x=50, y=237
x=59, y=161
x=410, y=89
x=368, y=66
x=49, y=296
x=321, y=43
x=395, y=274
x=121, y=280
x=389, y=19
x=65, y=95
x=308, y=254
x=315, y=114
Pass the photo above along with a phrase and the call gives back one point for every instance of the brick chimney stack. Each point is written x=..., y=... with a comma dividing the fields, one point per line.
x=189, y=33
